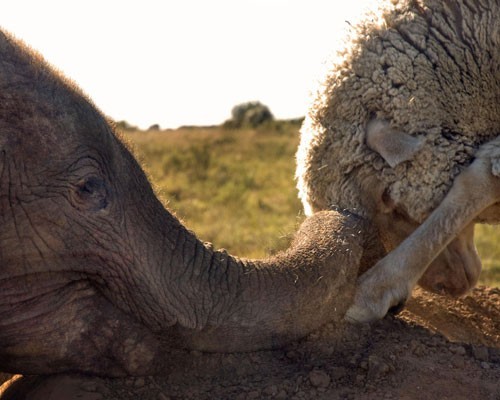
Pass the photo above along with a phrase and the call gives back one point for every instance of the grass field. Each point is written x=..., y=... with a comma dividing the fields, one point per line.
x=236, y=188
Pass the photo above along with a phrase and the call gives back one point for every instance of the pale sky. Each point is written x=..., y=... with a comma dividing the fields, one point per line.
x=184, y=62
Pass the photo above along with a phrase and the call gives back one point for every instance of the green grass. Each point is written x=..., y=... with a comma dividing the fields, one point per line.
x=488, y=244
x=236, y=188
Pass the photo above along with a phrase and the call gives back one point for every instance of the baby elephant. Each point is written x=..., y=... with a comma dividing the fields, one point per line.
x=97, y=277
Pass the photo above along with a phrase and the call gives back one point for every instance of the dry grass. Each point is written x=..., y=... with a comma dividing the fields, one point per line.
x=233, y=188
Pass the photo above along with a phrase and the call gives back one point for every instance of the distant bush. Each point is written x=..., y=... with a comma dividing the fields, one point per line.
x=250, y=114
x=125, y=126
x=154, y=127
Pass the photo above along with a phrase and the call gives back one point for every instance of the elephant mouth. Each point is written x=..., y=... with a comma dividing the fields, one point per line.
x=29, y=287
x=28, y=299
x=58, y=321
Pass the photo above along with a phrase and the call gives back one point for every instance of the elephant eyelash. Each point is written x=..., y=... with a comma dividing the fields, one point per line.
x=92, y=194
x=91, y=185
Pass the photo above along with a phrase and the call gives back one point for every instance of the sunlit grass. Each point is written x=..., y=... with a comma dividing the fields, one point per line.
x=236, y=188
x=233, y=188
x=488, y=245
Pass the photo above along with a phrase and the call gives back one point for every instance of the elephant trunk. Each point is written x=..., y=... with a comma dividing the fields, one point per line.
x=212, y=301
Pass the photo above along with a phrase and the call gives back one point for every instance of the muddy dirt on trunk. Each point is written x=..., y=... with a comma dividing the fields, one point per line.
x=437, y=348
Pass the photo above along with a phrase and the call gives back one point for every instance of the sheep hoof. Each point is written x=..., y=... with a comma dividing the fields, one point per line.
x=395, y=310
x=358, y=315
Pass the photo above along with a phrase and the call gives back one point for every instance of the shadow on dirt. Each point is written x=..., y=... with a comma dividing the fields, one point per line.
x=436, y=348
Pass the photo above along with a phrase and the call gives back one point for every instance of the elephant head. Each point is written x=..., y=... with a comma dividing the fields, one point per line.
x=97, y=276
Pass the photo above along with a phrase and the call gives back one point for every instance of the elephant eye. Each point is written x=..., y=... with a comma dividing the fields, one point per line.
x=90, y=186
x=92, y=194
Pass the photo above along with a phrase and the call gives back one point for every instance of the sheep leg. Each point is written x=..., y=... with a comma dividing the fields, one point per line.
x=390, y=282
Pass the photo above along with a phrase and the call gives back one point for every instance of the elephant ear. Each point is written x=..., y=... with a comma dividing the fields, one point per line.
x=393, y=146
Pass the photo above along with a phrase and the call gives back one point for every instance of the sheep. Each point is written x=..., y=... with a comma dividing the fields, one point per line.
x=403, y=130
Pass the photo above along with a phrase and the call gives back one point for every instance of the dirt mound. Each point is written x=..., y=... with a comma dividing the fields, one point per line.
x=437, y=348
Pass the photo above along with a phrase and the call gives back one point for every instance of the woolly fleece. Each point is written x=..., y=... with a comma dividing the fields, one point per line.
x=431, y=68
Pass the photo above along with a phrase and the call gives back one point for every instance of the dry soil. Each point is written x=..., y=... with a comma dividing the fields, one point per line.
x=437, y=348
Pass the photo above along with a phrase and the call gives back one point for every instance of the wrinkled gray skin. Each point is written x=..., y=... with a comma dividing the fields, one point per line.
x=96, y=276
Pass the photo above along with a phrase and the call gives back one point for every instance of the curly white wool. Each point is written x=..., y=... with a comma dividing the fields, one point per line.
x=431, y=68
